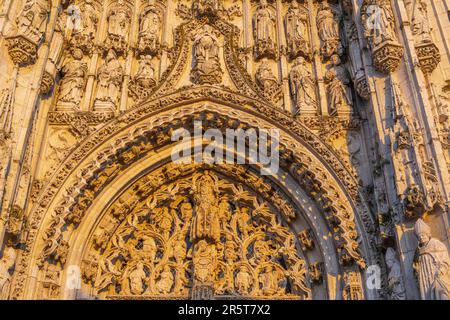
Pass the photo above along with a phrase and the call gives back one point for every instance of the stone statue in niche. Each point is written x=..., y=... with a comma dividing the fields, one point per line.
x=432, y=264
x=243, y=281
x=396, y=289
x=265, y=78
x=206, y=68
x=137, y=277
x=339, y=93
x=297, y=34
x=328, y=26
x=110, y=76
x=6, y=264
x=144, y=80
x=264, y=32
x=149, y=30
x=302, y=87
x=379, y=23
x=420, y=24
x=205, y=7
x=32, y=19
x=204, y=260
x=83, y=37
x=72, y=86
x=119, y=17
x=145, y=76
x=166, y=280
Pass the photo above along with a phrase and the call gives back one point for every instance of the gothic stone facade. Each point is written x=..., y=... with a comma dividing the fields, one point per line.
x=91, y=206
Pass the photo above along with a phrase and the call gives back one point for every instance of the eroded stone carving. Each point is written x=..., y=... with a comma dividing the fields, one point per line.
x=6, y=265
x=303, y=87
x=119, y=18
x=207, y=69
x=396, y=288
x=379, y=29
x=329, y=33
x=432, y=264
x=31, y=22
x=72, y=85
x=83, y=38
x=144, y=80
x=339, y=92
x=297, y=32
x=110, y=76
x=150, y=30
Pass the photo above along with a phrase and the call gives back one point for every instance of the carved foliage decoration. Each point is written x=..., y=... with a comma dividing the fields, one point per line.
x=297, y=31
x=150, y=26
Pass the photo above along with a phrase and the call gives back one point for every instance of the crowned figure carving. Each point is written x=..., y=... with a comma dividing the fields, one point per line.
x=264, y=32
x=150, y=30
x=297, y=33
x=432, y=264
x=207, y=69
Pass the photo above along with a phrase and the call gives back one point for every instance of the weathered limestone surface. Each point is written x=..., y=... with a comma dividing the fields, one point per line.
x=92, y=206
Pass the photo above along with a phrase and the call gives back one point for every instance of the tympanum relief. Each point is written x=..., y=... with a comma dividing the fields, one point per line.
x=196, y=238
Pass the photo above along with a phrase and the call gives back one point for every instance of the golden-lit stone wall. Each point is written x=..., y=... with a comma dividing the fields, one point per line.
x=91, y=92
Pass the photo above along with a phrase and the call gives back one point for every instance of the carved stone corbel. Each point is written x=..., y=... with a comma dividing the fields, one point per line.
x=22, y=51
